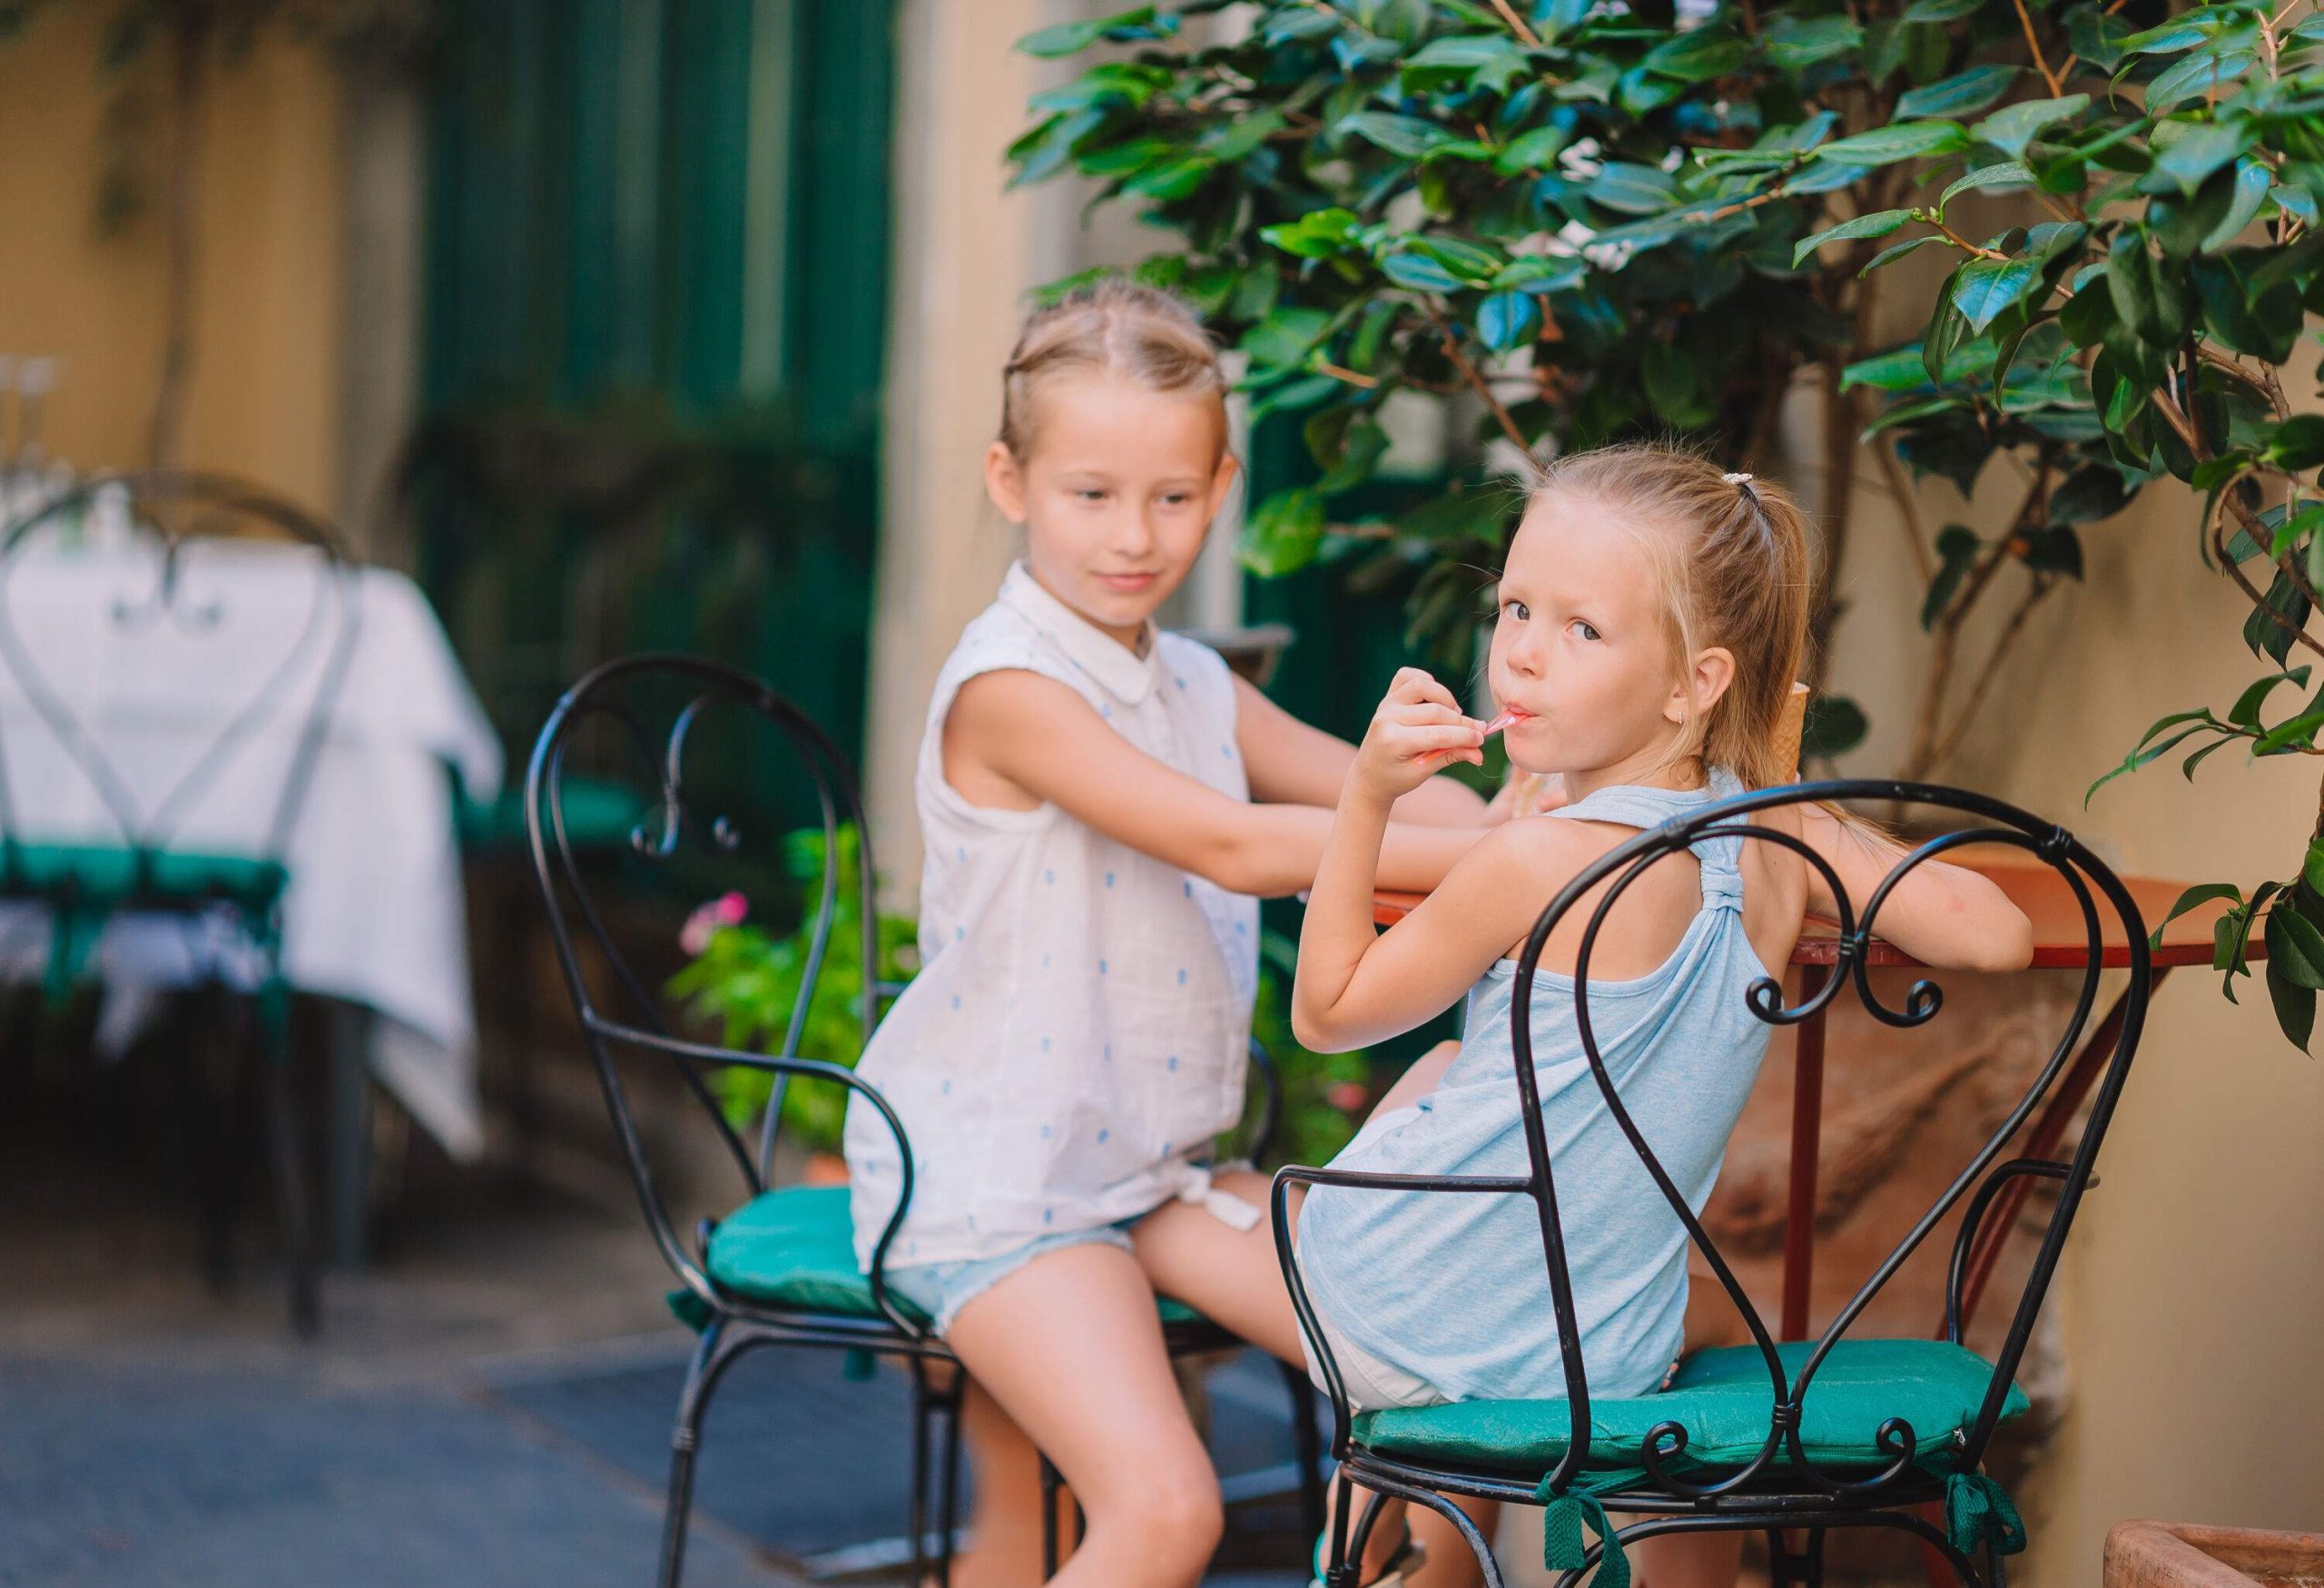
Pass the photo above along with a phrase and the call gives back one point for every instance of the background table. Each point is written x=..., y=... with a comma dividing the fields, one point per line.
x=373, y=914
x=2060, y=943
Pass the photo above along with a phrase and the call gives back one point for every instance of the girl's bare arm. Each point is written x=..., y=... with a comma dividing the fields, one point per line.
x=1046, y=745
x=1941, y=914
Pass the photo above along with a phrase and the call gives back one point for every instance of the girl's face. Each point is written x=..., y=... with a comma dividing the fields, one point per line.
x=1582, y=648
x=1115, y=495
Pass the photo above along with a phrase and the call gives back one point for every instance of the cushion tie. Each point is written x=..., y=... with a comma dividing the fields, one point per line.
x=1979, y=1511
x=1563, y=1548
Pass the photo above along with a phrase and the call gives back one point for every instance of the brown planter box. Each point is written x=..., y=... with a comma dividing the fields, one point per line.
x=2180, y=1554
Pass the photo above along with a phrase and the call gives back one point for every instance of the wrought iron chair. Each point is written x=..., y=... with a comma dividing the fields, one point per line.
x=76, y=882
x=780, y=1270
x=1737, y=1443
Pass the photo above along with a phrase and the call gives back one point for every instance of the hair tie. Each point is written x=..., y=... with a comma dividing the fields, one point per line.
x=1736, y=478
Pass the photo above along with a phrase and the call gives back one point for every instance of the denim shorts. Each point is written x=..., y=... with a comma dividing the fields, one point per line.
x=942, y=1289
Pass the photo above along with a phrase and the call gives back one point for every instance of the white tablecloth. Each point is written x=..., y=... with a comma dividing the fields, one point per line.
x=373, y=912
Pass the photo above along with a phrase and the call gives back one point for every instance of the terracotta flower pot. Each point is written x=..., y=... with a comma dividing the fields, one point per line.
x=823, y=1169
x=2180, y=1554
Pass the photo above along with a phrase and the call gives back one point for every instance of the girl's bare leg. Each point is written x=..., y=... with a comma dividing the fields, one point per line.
x=1069, y=1348
x=1004, y=1547
x=1232, y=1278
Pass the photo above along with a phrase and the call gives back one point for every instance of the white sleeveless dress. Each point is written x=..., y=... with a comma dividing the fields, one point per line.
x=1079, y=1031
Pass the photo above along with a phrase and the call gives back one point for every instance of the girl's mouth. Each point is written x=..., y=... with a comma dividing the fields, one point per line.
x=1510, y=717
x=1127, y=584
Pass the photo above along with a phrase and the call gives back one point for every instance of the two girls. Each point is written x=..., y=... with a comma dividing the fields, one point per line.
x=1074, y=1040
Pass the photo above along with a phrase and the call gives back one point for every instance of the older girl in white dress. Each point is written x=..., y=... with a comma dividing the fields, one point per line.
x=1102, y=805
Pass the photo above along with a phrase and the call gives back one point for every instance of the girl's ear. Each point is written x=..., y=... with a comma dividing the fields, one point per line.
x=1004, y=482
x=1705, y=681
x=1222, y=480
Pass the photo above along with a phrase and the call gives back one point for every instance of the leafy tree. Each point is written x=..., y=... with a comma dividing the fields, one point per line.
x=1593, y=218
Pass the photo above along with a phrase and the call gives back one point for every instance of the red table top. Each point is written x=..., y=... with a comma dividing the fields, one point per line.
x=2059, y=939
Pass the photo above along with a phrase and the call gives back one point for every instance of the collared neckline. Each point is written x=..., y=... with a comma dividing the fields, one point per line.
x=1124, y=674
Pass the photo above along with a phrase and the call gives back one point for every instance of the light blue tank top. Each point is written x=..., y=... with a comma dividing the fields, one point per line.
x=1452, y=1287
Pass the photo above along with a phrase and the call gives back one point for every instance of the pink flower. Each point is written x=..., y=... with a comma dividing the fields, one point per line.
x=726, y=909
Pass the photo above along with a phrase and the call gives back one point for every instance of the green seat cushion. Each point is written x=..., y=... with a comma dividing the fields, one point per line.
x=115, y=876
x=1723, y=1398
x=795, y=1248
x=598, y=815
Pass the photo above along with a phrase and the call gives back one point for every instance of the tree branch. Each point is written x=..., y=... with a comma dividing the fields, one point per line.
x=1476, y=381
x=1907, y=509
x=2057, y=89
x=2041, y=588
x=1517, y=24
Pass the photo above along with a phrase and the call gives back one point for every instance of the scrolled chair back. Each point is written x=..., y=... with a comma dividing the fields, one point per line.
x=652, y=715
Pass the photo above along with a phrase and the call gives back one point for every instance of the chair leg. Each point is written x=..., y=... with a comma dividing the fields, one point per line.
x=1307, y=1440
x=923, y=1414
x=948, y=1509
x=289, y=1163
x=1049, y=1479
x=713, y=1353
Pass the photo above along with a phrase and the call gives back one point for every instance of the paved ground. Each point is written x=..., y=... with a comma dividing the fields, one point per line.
x=488, y=1404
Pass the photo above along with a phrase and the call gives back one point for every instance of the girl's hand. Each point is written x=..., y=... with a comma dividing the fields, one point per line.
x=1418, y=730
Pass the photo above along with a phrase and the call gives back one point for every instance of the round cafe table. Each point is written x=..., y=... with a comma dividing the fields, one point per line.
x=2060, y=943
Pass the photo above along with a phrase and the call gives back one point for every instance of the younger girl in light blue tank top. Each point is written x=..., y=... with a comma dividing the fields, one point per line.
x=1653, y=614
x=1473, y=1319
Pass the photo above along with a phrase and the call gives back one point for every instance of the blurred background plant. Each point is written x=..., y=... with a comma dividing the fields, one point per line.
x=1584, y=222
x=743, y=983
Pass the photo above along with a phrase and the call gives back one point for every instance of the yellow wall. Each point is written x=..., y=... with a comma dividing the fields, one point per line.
x=2191, y=1289
x=264, y=394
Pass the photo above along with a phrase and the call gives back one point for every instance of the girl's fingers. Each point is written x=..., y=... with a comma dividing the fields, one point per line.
x=1412, y=684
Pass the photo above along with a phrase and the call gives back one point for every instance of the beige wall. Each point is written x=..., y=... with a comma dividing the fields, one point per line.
x=2192, y=1288
x=264, y=396
x=965, y=255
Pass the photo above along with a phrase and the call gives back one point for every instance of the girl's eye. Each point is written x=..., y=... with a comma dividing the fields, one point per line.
x=1176, y=498
x=1092, y=494
x=1582, y=630
x=1517, y=609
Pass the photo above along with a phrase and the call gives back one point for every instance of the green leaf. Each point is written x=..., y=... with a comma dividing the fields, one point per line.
x=1940, y=10
x=2196, y=75
x=1508, y=320
x=1536, y=150
x=2053, y=549
x=2311, y=867
x=2253, y=179
x=1957, y=550
x=1793, y=43
x=2295, y=945
x=1407, y=136
x=1897, y=250
x=1318, y=234
x=1289, y=27
x=2006, y=173
x=1634, y=189
x=1284, y=533
x=1420, y=271
x=2184, y=33
x=1287, y=336
x=1698, y=55
x=2199, y=151
x=1878, y=223
x=1887, y=145
x=2202, y=894
x=1071, y=38
x=2245, y=712
x=2298, y=443
x=1958, y=95
x=2011, y=127
x=1987, y=286
x=2295, y=1005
